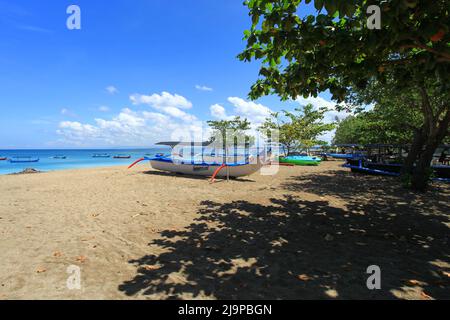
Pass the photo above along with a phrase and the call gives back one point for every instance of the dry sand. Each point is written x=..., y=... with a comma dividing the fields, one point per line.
x=308, y=232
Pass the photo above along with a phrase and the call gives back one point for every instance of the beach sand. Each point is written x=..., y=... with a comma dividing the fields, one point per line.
x=305, y=233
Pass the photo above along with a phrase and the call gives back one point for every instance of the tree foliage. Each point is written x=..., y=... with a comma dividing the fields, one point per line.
x=334, y=50
x=228, y=132
x=298, y=130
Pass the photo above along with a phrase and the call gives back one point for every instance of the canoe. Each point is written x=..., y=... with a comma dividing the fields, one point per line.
x=301, y=160
x=23, y=159
x=122, y=157
x=60, y=157
x=3, y=159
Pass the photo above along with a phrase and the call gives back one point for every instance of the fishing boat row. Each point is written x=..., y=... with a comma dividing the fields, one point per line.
x=387, y=160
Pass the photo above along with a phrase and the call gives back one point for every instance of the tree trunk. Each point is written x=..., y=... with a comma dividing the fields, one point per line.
x=423, y=168
x=420, y=138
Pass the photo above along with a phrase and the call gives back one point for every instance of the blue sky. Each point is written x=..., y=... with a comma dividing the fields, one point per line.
x=135, y=71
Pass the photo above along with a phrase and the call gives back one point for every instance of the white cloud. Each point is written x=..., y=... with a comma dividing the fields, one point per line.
x=255, y=113
x=112, y=90
x=103, y=109
x=319, y=102
x=203, y=88
x=159, y=101
x=131, y=128
x=218, y=112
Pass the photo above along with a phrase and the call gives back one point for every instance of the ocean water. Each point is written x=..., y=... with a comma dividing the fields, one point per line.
x=75, y=158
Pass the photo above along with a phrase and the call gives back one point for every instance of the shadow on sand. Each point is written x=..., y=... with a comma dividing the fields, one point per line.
x=292, y=248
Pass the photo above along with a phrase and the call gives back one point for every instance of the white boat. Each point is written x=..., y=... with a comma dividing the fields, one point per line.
x=206, y=169
x=206, y=165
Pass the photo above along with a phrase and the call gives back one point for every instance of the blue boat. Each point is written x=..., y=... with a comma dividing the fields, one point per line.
x=101, y=155
x=23, y=159
x=344, y=155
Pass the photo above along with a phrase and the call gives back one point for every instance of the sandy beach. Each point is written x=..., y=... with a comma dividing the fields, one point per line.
x=305, y=233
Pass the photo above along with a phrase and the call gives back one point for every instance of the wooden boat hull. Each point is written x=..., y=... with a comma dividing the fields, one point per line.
x=3, y=159
x=206, y=169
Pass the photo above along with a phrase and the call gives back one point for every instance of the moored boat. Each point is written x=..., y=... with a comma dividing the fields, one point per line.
x=3, y=158
x=101, y=155
x=60, y=157
x=301, y=160
x=122, y=156
x=23, y=159
x=199, y=166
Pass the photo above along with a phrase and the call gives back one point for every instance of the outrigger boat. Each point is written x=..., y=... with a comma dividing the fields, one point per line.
x=348, y=151
x=200, y=166
x=383, y=160
x=23, y=159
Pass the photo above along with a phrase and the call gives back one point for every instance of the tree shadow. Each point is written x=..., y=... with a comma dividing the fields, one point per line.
x=294, y=248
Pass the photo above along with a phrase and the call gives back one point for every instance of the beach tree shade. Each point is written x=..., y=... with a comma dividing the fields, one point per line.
x=336, y=50
x=300, y=129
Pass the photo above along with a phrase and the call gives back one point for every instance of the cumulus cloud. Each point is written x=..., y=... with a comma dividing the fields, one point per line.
x=111, y=89
x=203, y=88
x=167, y=120
x=218, y=112
x=256, y=113
x=319, y=102
x=159, y=101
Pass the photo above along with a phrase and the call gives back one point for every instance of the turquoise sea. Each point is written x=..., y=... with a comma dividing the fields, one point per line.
x=74, y=158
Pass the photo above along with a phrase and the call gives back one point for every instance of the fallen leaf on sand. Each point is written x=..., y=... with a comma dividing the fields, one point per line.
x=151, y=268
x=425, y=296
x=303, y=277
x=41, y=270
x=57, y=254
x=81, y=259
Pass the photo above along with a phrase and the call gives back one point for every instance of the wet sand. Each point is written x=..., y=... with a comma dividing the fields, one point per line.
x=305, y=233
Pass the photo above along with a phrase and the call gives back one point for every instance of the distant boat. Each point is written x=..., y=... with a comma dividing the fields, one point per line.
x=101, y=155
x=3, y=158
x=122, y=156
x=60, y=157
x=23, y=159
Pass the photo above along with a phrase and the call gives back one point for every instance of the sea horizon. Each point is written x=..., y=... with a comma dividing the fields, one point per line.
x=74, y=158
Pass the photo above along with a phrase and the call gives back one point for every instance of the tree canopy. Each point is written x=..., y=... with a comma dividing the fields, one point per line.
x=408, y=57
x=298, y=130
